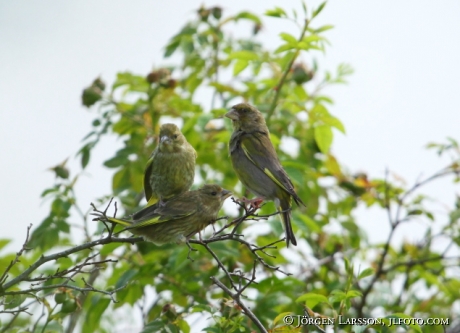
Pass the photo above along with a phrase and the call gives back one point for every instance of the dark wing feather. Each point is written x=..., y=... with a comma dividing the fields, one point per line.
x=147, y=174
x=260, y=151
x=172, y=210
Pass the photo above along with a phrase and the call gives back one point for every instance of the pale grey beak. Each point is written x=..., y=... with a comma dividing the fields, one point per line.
x=226, y=193
x=164, y=139
x=232, y=114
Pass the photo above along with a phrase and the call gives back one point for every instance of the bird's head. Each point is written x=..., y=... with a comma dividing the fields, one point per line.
x=246, y=117
x=171, y=138
x=213, y=196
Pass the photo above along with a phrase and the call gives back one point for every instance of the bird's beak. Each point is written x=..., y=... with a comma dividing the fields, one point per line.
x=164, y=138
x=232, y=114
x=226, y=194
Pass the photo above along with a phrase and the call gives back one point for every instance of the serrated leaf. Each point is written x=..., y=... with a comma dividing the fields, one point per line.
x=323, y=137
x=312, y=299
x=367, y=272
x=240, y=65
x=116, y=161
x=324, y=28
x=310, y=223
x=4, y=242
x=410, y=322
x=13, y=301
x=353, y=293
x=248, y=16
x=288, y=38
x=276, y=12
x=85, y=156
x=319, y=9
x=334, y=122
x=153, y=327
x=283, y=48
x=337, y=296
x=243, y=55
x=279, y=317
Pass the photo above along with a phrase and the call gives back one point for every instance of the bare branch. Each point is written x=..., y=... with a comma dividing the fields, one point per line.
x=16, y=259
x=24, y=276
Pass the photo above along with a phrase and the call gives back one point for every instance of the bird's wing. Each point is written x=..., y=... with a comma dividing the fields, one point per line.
x=259, y=150
x=147, y=173
x=155, y=214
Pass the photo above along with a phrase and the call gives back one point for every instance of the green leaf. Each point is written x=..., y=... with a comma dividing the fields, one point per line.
x=276, y=12
x=311, y=299
x=296, y=175
x=353, y=293
x=94, y=313
x=284, y=47
x=288, y=38
x=367, y=272
x=85, y=156
x=171, y=47
x=202, y=308
x=406, y=321
x=126, y=277
x=337, y=296
x=324, y=28
x=319, y=9
x=279, y=317
x=4, y=242
x=183, y=325
x=323, y=137
x=415, y=212
x=248, y=16
x=13, y=301
x=334, y=122
x=240, y=65
x=154, y=327
x=109, y=248
x=116, y=161
x=121, y=180
x=310, y=223
x=243, y=55
x=358, y=328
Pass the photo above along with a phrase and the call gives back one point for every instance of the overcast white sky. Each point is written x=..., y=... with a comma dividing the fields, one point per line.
x=405, y=91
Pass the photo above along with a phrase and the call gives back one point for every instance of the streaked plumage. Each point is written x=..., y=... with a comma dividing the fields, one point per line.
x=171, y=167
x=179, y=218
x=257, y=165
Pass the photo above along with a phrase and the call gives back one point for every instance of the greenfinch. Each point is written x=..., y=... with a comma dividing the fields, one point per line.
x=257, y=165
x=171, y=167
x=178, y=219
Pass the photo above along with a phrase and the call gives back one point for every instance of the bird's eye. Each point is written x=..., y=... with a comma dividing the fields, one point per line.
x=214, y=193
x=175, y=136
x=245, y=110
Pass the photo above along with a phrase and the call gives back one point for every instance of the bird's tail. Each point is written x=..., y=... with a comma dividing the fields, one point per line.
x=153, y=200
x=118, y=221
x=285, y=209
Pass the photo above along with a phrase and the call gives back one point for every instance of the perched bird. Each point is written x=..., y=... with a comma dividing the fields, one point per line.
x=171, y=167
x=257, y=165
x=178, y=219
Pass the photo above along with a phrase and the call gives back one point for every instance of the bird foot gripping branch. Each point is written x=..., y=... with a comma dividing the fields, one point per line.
x=252, y=204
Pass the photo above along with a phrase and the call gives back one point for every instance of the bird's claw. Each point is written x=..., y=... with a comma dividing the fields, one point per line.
x=252, y=204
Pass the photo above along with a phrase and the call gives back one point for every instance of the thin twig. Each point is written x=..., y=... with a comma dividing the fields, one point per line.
x=285, y=74
x=44, y=259
x=237, y=299
x=16, y=259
